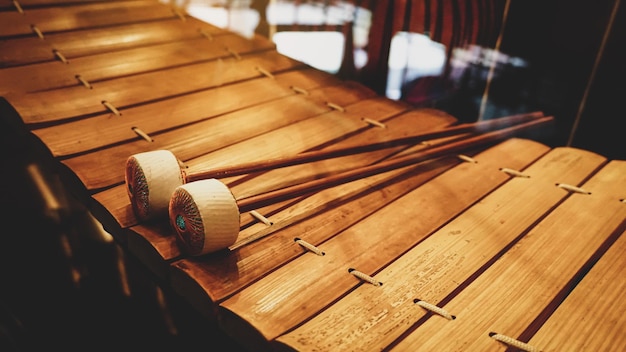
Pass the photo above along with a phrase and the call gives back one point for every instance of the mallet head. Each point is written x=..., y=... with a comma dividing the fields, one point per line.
x=151, y=179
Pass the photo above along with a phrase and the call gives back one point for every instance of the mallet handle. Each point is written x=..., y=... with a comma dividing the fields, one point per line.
x=306, y=157
x=271, y=197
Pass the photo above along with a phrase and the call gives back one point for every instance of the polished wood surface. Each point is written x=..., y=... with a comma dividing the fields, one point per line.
x=503, y=298
x=79, y=16
x=99, y=67
x=317, y=155
x=513, y=238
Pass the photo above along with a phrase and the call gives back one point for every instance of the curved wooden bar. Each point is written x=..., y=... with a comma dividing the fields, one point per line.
x=443, y=278
x=98, y=67
x=65, y=46
x=80, y=16
x=87, y=135
x=75, y=102
x=510, y=243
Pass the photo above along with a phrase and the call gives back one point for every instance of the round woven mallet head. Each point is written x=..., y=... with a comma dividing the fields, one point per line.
x=205, y=216
x=151, y=179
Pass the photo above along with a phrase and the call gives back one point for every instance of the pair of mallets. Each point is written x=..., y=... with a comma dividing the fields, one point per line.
x=206, y=216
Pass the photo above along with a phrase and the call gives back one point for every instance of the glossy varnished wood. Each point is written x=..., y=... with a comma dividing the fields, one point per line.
x=514, y=255
x=531, y=279
x=592, y=315
x=80, y=16
x=282, y=177
x=445, y=261
x=208, y=135
x=367, y=246
x=74, y=44
x=77, y=137
x=109, y=65
x=71, y=103
x=9, y=5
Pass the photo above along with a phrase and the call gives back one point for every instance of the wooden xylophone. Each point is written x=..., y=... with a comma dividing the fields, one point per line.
x=509, y=245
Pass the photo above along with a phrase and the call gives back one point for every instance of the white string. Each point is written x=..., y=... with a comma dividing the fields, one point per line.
x=142, y=134
x=18, y=7
x=205, y=34
x=261, y=218
x=572, y=188
x=265, y=72
x=37, y=31
x=233, y=53
x=364, y=277
x=335, y=106
x=111, y=107
x=513, y=342
x=179, y=14
x=60, y=56
x=512, y=172
x=467, y=158
x=83, y=81
x=433, y=308
x=299, y=90
x=374, y=122
x=309, y=246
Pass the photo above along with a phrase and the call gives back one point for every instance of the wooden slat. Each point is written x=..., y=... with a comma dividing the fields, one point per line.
x=9, y=5
x=270, y=245
x=592, y=317
x=109, y=65
x=302, y=136
x=445, y=261
x=210, y=279
x=513, y=255
x=531, y=278
x=58, y=105
x=207, y=281
x=298, y=210
x=81, y=16
x=314, y=283
x=73, y=44
x=214, y=134
x=457, y=202
x=125, y=212
x=77, y=137
x=406, y=123
x=115, y=200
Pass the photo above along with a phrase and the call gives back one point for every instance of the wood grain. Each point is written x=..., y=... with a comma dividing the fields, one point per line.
x=116, y=200
x=445, y=261
x=27, y=4
x=286, y=213
x=108, y=65
x=56, y=106
x=206, y=136
x=74, y=44
x=317, y=281
x=531, y=278
x=457, y=144
x=591, y=317
x=81, y=16
x=516, y=255
x=78, y=137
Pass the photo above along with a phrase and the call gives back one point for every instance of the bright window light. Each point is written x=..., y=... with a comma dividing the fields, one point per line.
x=322, y=50
x=411, y=56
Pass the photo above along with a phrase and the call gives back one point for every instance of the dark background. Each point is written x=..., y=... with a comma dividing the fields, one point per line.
x=563, y=40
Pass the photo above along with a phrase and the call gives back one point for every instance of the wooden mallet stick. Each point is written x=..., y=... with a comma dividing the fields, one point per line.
x=206, y=216
x=151, y=177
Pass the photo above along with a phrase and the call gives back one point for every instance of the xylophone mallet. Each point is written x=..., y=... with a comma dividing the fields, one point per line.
x=206, y=215
x=151, y=177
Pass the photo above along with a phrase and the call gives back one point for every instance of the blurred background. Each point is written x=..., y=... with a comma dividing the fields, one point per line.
x=477, y=60
x=474, y=59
